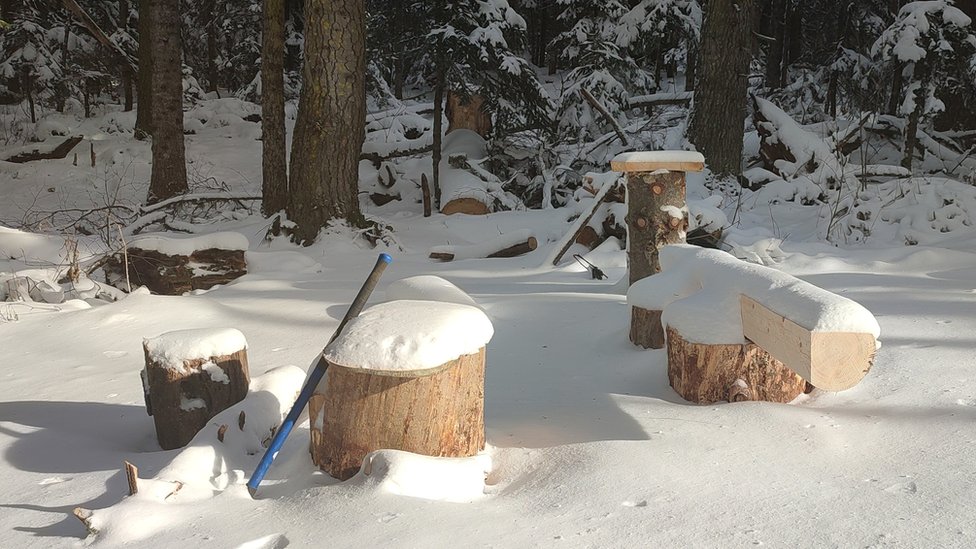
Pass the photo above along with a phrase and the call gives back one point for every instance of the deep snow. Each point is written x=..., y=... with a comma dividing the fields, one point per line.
x=588, y=445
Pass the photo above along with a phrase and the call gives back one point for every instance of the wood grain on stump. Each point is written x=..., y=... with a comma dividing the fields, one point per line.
x=182, y=400
x=470, y=206
x=707, y=373
x=646, y=329
x=434, y=412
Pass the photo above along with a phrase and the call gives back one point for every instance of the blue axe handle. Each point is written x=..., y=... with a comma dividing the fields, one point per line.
x=315, y=377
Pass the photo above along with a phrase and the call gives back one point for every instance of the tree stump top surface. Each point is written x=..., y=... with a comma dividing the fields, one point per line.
x=410, y=336
x=649, y=161
x=172, y=349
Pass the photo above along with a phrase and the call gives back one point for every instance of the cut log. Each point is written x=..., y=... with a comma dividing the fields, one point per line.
x=583, y=221
x=507, y=245
x=382, y=199
x=646, y=329
x=171, y=266
x=186, y=392
x=708, y=373
x=832, y=361
x=470, y=206
x=435, y=412
x=467, y=113
x=131, y=477
x=60, y=151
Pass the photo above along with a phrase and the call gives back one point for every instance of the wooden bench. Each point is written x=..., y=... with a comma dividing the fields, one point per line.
x=740, y=331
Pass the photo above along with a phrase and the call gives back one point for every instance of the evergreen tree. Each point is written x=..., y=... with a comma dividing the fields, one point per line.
x=934, y=43
x=29, y=68
x=599, y=64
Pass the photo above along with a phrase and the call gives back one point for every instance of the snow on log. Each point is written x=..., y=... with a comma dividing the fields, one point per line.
x=655, y=99
x=405, y=375
x=190, y=376
x=47, y=152
x=827, y=339
x=510, y=244
x=427, y=288
x=171, y=265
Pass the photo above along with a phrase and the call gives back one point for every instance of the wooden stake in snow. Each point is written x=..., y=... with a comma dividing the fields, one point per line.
x=656, y=216
x=404, y=375
x=191, y=375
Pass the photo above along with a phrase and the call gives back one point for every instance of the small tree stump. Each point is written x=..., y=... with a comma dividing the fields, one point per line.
x=707, y=373
x=646, y=329
x=434, y=412
x=190, y=376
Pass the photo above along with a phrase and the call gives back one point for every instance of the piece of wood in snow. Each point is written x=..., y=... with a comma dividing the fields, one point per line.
x=581, y=222
x=649, y=161
x=832, y=361
x=507, y=245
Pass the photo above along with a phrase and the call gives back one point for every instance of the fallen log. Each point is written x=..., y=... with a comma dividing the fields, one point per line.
x=377, y=158
x=508, y=245
x=606, y=115
x=656, y=99
x=60, y=151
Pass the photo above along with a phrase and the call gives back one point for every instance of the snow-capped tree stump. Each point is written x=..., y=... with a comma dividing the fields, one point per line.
x=190, y=376
x=404, y=375
x=707, y=373
x=657, y=215
x=171, y=265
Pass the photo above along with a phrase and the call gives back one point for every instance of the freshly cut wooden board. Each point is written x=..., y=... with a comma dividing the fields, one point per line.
x=832, y=361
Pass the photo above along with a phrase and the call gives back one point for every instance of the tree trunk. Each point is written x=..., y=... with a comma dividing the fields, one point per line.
x=63, y=87
x=911, y=126
x=212, y=73
x=651, y=199
x=143, y=129
x=438, y=121
x=719, y=110
x=330, y=130
x=774, y=55
x=168, y=152
x=691, y=66
x=28, y=85
x=273, y=165
x=894, y=97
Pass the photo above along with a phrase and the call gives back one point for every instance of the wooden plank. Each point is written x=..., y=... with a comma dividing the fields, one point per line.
x=832, y=361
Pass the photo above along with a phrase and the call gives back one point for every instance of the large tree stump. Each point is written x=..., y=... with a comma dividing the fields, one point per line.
x=707, y=373
x=435, y=412
x=190, y=376
x=467, y=113
x=657, y=215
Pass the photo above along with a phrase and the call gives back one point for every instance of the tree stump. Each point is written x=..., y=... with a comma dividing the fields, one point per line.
x=467, y=113
x=657, y=215
x=646, y=329
x=708, y=373
x=191, y=376
x=435, y=412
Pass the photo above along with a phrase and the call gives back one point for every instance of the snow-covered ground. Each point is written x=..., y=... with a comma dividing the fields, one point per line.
x=588, y=444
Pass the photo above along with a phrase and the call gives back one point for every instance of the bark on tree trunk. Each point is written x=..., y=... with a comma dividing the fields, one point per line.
x=911, y=127
x=273, y=166
x=691, y=66
x=168, y=152
x=28, y=84
x=894, y=97
x=651, y=200
x=719, y=110
x=774, y=55
x=213, y=75
x=143, y=129
x=330, y=130
x=438, y=121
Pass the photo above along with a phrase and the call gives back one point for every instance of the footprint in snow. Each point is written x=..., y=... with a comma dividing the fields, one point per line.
x=902, y=488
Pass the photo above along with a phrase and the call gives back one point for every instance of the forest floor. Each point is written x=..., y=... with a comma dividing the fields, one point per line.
x=588, y=444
